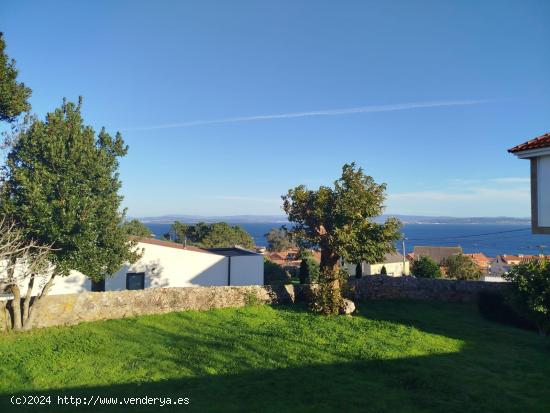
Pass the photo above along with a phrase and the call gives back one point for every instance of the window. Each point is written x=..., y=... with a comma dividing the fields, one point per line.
x=98, y=285
x=135, y=281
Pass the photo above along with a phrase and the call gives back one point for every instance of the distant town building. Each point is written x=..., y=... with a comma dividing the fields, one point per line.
x=438, y=254
x=482, y=261
x=392, y=262
x=504, y=263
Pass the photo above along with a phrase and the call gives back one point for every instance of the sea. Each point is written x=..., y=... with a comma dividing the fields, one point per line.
x=490, y=239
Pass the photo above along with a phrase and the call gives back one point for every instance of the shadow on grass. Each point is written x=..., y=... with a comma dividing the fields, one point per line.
x=487, y=375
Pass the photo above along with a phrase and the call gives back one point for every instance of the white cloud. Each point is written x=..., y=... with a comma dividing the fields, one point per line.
x=323, y=112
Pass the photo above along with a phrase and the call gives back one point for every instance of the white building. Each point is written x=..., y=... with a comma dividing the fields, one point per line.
x=394, y=263
x=167, y=264
x=538, y=152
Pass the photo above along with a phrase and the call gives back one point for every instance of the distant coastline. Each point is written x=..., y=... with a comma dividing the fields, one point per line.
x=281, y=219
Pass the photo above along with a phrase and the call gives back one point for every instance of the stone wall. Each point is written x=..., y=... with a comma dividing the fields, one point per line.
x=70, y=309
x=381, y=287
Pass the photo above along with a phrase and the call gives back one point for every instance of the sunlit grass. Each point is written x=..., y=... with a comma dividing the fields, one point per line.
x=410, y=355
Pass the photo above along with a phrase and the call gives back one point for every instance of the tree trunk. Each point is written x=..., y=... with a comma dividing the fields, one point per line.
x=27, y=301
x=16, y=307
x=35, y=307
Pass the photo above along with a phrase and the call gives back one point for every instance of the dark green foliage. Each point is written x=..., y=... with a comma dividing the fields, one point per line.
x=62, y=190
x=383, y=270
x=137, y=228
x=216, y=235
x=359, y=271
x=461, y=267
x=495, y=307
x=425, y=267
x=13, y=94
x=340, y=221
x=274, y=273
x=309, y=271
x=531, y=292
x=278, y=240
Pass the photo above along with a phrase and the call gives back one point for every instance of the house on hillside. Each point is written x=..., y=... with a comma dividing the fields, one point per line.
x=481, y=260
x=168, y=264
x=395, y=265
x=503, y=263
x=438, y=254
x=538, y=152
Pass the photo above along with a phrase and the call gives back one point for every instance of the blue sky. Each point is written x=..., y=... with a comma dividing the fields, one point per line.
x=226, y=105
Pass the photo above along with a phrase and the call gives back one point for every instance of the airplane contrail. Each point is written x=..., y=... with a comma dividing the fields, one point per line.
x=325, y=112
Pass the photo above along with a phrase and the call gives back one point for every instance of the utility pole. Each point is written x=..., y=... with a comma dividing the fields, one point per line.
x=404, y=258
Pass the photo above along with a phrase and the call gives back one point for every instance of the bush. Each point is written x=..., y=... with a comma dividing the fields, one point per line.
x=496, y=307
x=309, y=271
x=325, y=299
x=531, y=292
x=425, y=267
x=383, y=271
x=461, y=267
x=274, y=273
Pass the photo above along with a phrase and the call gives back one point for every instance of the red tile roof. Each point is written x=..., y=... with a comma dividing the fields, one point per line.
x=537, y=143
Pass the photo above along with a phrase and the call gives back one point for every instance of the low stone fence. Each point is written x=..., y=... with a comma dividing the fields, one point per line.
x=382, y=287
x=70, y=309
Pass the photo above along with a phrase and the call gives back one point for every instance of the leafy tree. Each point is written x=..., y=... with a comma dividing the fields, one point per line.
x=274, y=273
x=383, y=270
x=217, y=235
x=339, y=221
x=309, y=271
x=531, y=292
x=13, y=94
x=137, y=228
x=61, y=190
x=359, y=270
x=278, y=240
x=425, y=267
x=461, y=267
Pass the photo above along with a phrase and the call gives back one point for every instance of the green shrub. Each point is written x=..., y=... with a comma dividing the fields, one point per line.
x=309, y=271
x=383, y=271
x=274, y=273
x=496, y=307
x=461, y=267
x=531, y=292
x=325, y=299
x=425, y=267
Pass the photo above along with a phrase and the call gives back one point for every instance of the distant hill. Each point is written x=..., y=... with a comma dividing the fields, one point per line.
x=406, y=219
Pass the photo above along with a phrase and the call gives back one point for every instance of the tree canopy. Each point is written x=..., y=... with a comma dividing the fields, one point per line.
x=425, y=267
x=216, y=235
x=136, y=228
x=14, y=95
x=61, y=189
x=340, y=221
x=278, y=240
x=461, y=267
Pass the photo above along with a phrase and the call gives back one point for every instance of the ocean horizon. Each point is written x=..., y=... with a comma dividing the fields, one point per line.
x=489, y=239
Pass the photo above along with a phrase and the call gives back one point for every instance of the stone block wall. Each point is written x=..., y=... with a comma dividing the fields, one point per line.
x=71, y=309
x=381, y=287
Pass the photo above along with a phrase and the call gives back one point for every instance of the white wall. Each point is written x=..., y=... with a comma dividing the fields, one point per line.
x=247, y=270
x=167, y=267
x=543, y=191
x=392, y=268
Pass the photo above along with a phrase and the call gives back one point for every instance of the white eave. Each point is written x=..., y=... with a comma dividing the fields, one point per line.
x=533, y=153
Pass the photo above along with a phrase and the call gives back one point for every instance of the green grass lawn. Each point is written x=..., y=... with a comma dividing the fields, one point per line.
x=395, y=356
